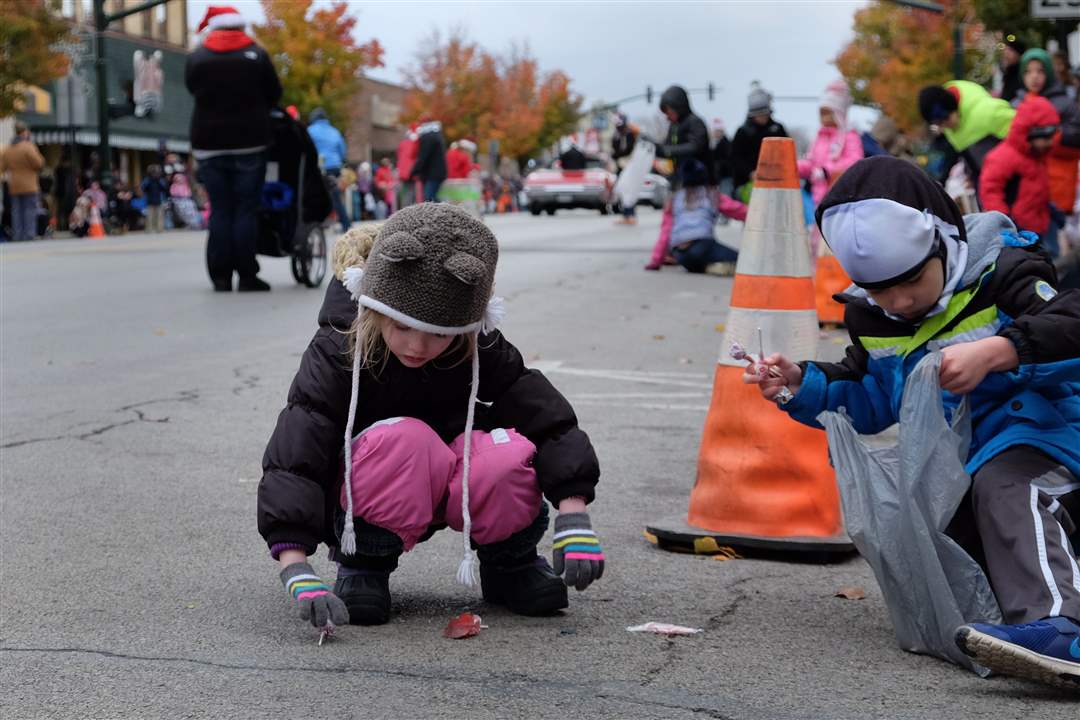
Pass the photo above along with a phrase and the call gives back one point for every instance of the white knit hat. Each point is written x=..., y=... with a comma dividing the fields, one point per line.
x=837, y=98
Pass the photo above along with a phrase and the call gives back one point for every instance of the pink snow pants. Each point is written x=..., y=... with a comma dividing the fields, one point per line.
x=405, y=479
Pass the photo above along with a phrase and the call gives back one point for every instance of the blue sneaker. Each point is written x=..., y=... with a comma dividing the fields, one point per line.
x=1047, y=651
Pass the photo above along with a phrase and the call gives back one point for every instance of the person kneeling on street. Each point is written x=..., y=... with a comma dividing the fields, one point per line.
x=985, y=296
x=694, y=210
x=423, y=349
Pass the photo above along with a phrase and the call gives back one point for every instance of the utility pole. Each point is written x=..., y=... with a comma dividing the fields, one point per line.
x=102, y=20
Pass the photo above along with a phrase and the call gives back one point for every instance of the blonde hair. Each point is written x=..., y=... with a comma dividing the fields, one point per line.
x=352, y=248
x=365, y=335
x=366, y=341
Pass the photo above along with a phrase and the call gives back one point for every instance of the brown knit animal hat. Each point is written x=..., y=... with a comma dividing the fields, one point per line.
x=432, y=268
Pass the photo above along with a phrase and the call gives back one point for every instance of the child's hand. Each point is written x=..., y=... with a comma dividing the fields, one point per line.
x=965, y=365
x=577, y=550
x=313, y=597
x=787, y=375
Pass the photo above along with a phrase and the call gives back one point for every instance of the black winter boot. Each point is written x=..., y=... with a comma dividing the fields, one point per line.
x=366, y=593
x=530, y=587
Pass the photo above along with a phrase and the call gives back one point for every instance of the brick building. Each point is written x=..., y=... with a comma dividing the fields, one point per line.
x=374, y=131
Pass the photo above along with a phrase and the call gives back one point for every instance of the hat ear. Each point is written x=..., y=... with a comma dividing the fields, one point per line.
x=399, y=247
x=466, y=268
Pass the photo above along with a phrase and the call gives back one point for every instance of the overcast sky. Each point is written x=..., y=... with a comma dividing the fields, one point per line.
x=612, y=50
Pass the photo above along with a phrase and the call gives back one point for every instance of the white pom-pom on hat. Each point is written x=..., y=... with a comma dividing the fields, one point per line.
x=351, y=281
x=494, y=314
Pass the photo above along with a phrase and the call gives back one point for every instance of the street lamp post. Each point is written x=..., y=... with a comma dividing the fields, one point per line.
x=102, y=20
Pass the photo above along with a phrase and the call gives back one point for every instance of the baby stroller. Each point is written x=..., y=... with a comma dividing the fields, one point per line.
x=295, y=202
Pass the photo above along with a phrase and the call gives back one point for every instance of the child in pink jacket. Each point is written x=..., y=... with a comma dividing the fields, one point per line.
x=835, y=149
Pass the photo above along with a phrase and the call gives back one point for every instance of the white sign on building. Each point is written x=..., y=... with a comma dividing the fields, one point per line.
x=1055, y=9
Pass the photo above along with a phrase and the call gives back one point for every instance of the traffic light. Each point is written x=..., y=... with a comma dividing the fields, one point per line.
x=648, y=94
x=712, y=91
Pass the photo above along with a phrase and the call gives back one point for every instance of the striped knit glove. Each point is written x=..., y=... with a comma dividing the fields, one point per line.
x=577, y=550
x=316, y=602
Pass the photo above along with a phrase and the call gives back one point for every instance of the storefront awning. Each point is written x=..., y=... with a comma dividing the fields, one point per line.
x=116, y=140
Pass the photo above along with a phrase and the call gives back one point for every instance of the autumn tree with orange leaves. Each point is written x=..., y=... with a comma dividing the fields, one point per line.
x=316, y=57
x=29, y=33
x=478, y=96
x=899, y=50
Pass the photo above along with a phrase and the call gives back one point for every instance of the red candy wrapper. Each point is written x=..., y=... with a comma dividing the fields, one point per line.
x=463, y=626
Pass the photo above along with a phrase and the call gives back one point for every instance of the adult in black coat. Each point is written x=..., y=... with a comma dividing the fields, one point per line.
x=687, y=138
x=430, y=166
x=721, y=152
x=1012, y=81
x=747, y=143
x=235, y=87
x=572, y=158
x=623, y=141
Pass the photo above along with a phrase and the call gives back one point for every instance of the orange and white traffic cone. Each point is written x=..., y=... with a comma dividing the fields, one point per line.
x=829, y=279
x=97, y=228
x=764, y=480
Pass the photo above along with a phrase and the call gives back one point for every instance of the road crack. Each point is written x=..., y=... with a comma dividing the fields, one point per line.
x=140, y=416
x=247, y=380
x=614, y=691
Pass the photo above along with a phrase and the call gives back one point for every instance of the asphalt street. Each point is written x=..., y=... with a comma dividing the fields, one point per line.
x=135, y=407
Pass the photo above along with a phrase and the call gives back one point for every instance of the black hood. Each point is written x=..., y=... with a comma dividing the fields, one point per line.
x=888, y=177
x=338, y=309
x=675, y=97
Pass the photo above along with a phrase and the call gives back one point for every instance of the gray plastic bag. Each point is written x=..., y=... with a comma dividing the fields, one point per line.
x=897, y=502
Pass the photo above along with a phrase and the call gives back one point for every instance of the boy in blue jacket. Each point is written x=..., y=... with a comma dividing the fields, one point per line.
x=927, y=279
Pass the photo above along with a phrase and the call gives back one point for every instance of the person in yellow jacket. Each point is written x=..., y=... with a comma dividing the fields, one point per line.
x=972, y=121
x=22, y=162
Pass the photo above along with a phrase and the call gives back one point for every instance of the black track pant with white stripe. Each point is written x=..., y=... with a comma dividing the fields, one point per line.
x=1021, y=522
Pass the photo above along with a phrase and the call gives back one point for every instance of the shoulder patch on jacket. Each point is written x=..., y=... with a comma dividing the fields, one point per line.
x=1022, y=239
x=1044, y=290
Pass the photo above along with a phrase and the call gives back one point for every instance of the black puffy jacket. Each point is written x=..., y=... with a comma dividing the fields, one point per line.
x=746, y=146
x=234, y=93
x=430, y=163
x=688, y=138
x=302, y=473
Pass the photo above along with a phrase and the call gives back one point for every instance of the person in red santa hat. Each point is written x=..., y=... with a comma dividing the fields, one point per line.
x=235, y=87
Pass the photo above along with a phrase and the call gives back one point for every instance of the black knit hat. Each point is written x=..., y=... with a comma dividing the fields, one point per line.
x=432, y=267
x=936, y=103
x=1010, y=40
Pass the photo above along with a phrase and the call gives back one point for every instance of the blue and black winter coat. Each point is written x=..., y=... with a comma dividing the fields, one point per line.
x=1009, y=288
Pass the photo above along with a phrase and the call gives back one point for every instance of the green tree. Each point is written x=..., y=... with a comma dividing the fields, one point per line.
x=29, y=30
x=1014, y=16
x=317, y=59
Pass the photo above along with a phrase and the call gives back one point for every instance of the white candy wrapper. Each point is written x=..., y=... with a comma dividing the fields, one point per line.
x=664, y=629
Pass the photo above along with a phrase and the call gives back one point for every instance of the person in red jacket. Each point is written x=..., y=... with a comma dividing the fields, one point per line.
x=1014, y=177
x=407, y=151
x=458, y=163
